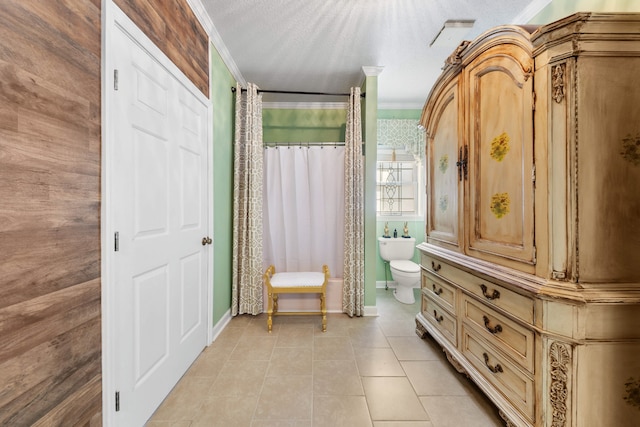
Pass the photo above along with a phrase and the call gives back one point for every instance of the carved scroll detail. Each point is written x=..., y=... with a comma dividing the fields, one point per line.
x=559, y=362
x=454, y=362
x=421, y=331
x=507, y=421
x=456, y=57
x=557, y=77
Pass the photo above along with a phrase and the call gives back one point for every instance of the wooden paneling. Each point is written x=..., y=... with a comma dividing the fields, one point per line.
x=50, y=345
x=50, y=148
x=173, y=27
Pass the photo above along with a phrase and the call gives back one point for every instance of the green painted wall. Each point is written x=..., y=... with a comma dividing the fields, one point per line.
x=223, y=102
x=303, y=125
x=370, y=138
x=558, y=9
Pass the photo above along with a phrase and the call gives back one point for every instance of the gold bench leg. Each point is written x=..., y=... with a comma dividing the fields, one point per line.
x=323, y=309
x=269, y=312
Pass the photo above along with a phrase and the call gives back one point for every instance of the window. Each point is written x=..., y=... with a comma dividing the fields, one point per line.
x=399, y=175
x=397, y=188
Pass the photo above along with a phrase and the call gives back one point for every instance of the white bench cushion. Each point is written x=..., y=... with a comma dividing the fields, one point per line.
x=297, y=279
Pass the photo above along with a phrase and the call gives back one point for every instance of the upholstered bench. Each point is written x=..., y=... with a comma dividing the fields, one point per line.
x=296, y=283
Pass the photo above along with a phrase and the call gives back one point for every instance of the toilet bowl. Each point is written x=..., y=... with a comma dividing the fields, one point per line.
x=407, y=276
x=398, y=251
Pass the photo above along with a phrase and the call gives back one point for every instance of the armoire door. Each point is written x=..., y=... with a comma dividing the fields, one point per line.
x=443, y=176
x=500, y=188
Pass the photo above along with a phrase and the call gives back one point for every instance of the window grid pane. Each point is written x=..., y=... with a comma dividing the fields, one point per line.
x=396, y=189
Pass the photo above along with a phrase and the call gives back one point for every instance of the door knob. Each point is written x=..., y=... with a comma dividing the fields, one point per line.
x=206, y=241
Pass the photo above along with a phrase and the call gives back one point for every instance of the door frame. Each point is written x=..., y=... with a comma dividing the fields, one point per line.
x=113, y=17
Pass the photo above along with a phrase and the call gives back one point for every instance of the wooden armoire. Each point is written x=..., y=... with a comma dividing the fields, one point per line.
x=531, y=265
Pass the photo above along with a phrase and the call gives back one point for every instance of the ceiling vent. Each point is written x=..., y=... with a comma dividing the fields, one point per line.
x=452, y=33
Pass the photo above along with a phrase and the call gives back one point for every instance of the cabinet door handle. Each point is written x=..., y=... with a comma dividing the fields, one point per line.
x=494, y=295
x=465, y=162
x=498, y=327
x=462, y=163
x=438, y=318
x=459, y=164
x=494, y=369
x=435, y=267
x=436, y=291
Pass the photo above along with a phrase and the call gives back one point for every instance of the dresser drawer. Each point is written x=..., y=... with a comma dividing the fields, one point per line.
x=492, y=293
x=514, y=384
x=507, y=335
x=441, y=319
x=436, y=266
x=440, y=291
x=498, y=296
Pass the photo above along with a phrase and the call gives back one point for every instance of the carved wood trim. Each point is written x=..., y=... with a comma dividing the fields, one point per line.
x=456, y=57
x=557, y=79
x=559, y=360
x=458, y=367
x=421, y=331
x=507, y=421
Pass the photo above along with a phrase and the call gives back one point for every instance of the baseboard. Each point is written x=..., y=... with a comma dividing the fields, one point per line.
x=219, y=327
x=370, y=310
x=381, y=284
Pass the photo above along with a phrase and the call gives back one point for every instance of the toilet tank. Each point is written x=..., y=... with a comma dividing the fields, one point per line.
x=396, y=248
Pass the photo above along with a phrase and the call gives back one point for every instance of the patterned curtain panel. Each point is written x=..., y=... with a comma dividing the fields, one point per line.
x=246, y=294
x=353, y=287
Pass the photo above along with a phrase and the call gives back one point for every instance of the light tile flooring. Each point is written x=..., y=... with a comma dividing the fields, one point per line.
x=364, y=371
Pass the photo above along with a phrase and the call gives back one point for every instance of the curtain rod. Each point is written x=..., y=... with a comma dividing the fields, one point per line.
x=303, y=144
x=289, y=92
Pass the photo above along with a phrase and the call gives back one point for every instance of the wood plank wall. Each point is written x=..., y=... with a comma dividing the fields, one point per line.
x=50, y=341
x=174, y=28
x=50, y=159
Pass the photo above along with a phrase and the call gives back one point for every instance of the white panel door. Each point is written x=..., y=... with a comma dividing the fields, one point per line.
x=159, y=210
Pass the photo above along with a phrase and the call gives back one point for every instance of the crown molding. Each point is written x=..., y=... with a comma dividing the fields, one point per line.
x=529, y=12
x=400, y=106
x=372, y=71
x=214, y=37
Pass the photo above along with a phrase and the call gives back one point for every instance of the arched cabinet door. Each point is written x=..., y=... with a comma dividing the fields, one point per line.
x=444, y=193
x=499, y=132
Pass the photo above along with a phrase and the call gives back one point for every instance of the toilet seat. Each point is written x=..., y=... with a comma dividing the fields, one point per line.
x=404, y=266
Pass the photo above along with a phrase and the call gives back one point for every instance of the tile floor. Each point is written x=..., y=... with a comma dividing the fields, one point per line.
x=364, y=371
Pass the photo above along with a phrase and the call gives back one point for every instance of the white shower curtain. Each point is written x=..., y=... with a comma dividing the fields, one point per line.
x=303, y=208
x=353, y=286
x=246, y=275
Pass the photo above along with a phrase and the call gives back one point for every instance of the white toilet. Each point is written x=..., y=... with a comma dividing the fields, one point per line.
x=398, y=251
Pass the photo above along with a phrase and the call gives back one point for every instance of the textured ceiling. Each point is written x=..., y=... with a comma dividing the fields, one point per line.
x=322, y=45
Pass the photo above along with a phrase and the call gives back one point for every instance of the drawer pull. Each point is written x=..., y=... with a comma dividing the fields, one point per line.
x=435, y=267
x=436, y=291
x=438, y=318
x=494, y=295
x=498, y=327
x=494, y=369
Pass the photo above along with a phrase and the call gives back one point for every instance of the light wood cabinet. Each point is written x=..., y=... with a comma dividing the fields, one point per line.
x=480, y=174
x=531, y=264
